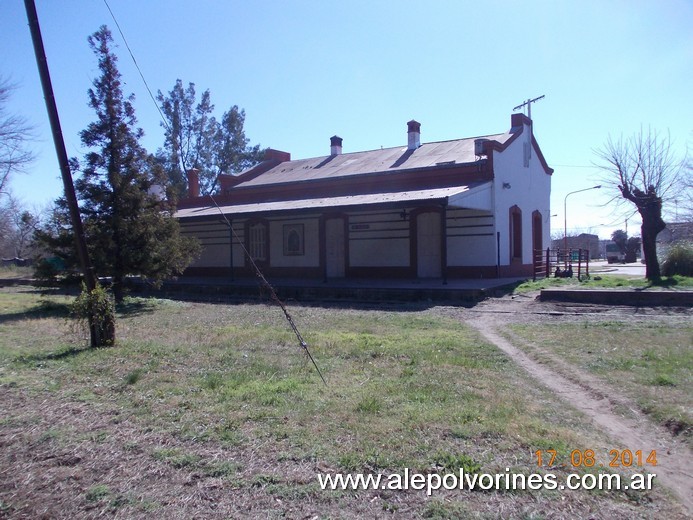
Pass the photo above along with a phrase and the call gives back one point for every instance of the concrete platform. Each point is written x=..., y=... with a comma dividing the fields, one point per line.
x=634, y=297
x=362, y=290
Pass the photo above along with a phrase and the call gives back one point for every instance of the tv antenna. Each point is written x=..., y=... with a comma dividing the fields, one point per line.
x=528, y=145
x=528, y=104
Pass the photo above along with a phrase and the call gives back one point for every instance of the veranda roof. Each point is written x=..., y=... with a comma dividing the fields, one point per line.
x=473, y=196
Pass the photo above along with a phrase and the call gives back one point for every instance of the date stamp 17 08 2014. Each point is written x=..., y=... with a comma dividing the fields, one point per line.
x=587, y=458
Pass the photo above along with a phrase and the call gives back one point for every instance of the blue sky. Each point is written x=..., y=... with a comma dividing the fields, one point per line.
x=306, y=70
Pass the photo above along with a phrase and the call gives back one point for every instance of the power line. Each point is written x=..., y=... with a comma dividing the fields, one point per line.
x=258, y=273
x=621, y=219
x=137, y=65
x=270, y=288
x=573, y=166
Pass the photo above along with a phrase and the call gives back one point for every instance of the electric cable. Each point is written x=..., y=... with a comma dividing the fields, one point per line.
x=264, y=283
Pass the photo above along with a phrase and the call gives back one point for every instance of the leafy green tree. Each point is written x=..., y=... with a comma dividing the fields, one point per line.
x=187, y=132
x=193, y=138
x=632, y=249
x=620, y=238
x=130, y=229
x=231, y=150
x=56, y=244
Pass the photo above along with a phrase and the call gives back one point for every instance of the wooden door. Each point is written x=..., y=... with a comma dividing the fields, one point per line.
x=334, y=248
x=428, y=245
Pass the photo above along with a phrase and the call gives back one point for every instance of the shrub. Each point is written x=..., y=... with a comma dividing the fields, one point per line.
x=95, y=312
x=46, y=273
x=51, y=272
x=679, y=260
x=96, y=493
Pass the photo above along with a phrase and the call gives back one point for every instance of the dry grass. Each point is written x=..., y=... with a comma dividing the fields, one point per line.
x=212, y=411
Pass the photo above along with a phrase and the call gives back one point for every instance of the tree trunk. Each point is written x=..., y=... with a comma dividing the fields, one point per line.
x=102, y=328
x=649, y=206
x=117, y=288
x=649, y=249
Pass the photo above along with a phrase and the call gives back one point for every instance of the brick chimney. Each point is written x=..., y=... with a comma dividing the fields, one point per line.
x=335, y=145
x=518, y=120
x=276, y=155
x=413, y=135
x=193, y=183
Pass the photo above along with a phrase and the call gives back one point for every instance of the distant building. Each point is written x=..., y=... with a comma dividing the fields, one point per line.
x=676, y=232
x=465, y=208
x=581, y=241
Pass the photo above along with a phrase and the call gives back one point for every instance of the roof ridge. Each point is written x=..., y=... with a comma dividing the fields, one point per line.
x=401, y=146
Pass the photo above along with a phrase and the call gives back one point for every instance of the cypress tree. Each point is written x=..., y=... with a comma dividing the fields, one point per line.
x=129, y=225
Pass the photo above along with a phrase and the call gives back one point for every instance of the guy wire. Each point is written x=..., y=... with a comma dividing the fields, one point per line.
x=268, y=286
x=258, y=273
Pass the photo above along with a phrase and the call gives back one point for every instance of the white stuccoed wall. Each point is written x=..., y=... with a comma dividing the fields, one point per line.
x=530, y=190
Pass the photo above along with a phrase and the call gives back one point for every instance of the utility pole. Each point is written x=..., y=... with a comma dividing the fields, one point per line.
x=565, y=221
x=101, y=333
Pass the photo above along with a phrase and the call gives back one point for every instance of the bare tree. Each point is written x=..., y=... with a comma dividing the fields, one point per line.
x=17, y=227
x=6, y=229
x=685, y=201
x=642, y=170
x=14, y=134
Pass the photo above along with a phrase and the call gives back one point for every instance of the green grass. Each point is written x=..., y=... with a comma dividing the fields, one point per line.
x=651, y=363
x=13, y=272
x=28, y=301
x=176, y=457
x=395, y=380
x=440, y=510
x=97, y=493
x=408, y=388
x=606, y=281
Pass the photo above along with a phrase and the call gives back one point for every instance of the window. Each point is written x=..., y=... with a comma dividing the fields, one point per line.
x=257, y=241
x=515, y=233
x=537, y=233
x=293, y=240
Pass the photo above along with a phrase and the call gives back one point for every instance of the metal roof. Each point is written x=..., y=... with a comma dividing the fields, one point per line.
x=476, y=196
x=388, y=160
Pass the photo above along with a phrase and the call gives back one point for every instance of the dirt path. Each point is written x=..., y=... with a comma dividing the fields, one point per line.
x=585, y=392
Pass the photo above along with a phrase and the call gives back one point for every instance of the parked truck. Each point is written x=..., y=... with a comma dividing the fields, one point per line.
x=613, y=254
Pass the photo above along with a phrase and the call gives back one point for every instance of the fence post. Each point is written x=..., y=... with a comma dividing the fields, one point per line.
x=548, y=261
